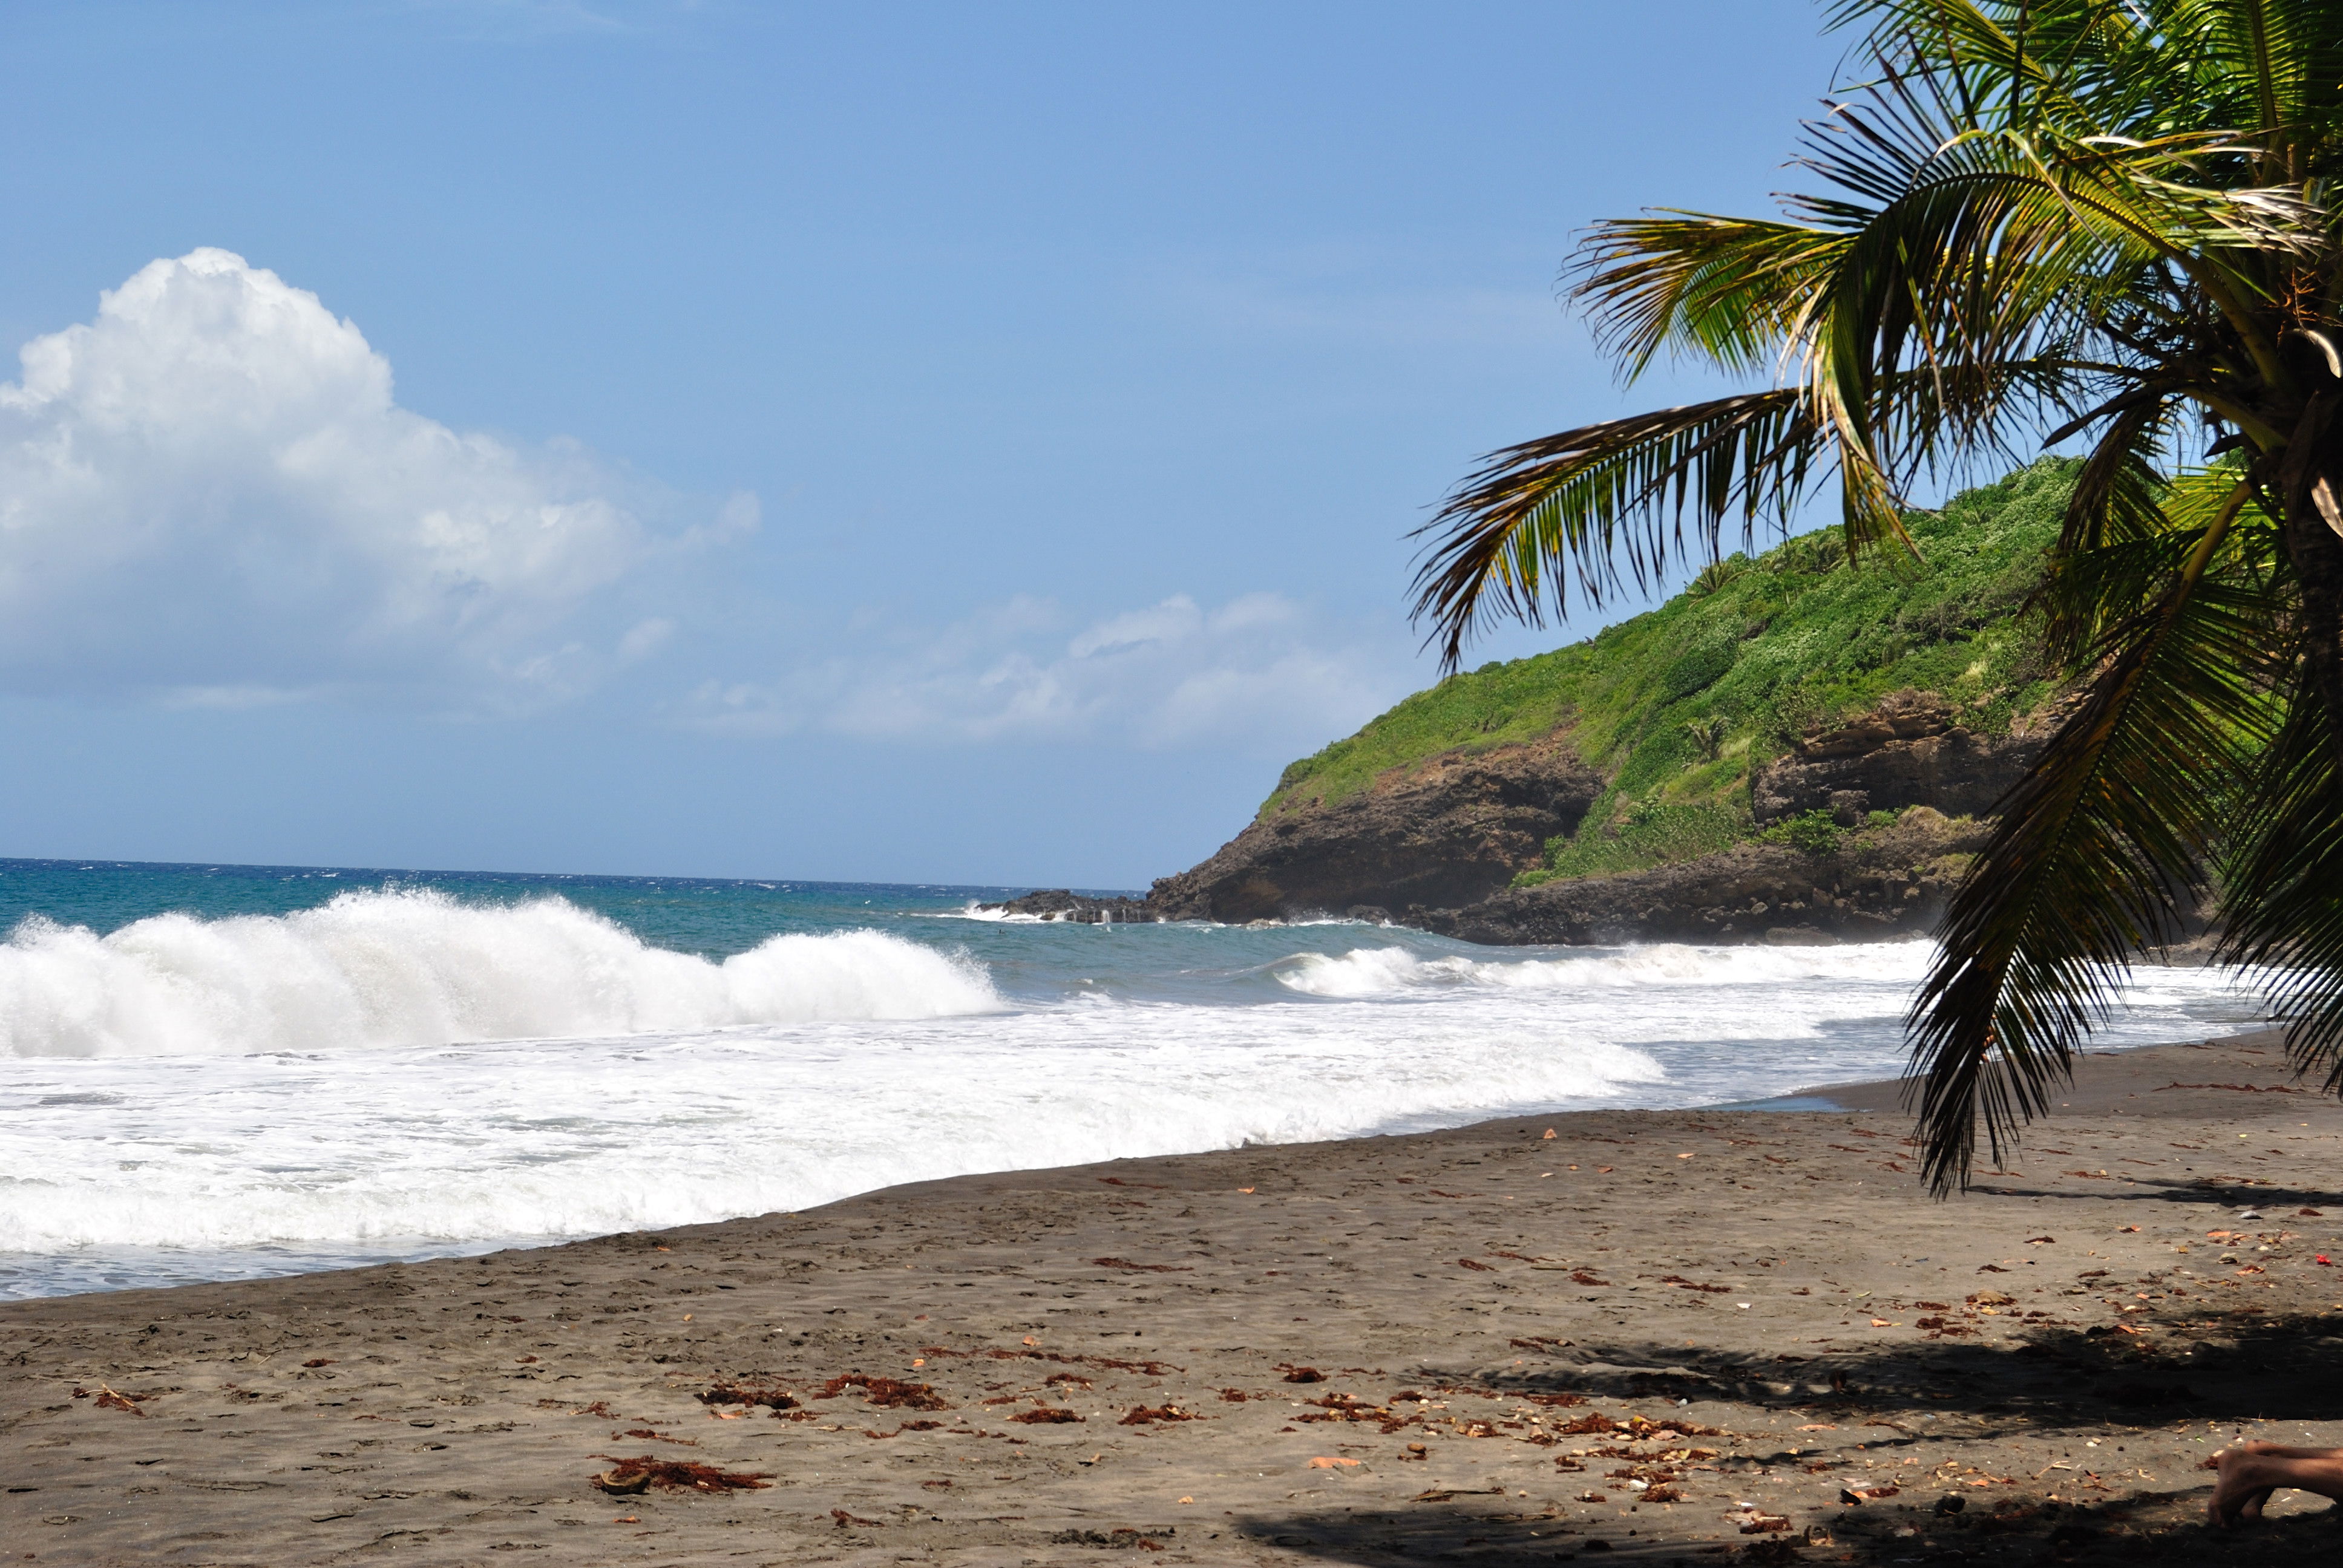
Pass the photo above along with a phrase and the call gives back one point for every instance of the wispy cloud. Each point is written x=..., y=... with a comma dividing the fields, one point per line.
x=1331, y=295
x=1260, y=672
x=525, y=19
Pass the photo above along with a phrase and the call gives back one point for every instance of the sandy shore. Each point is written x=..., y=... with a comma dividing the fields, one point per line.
x=1647, y=1337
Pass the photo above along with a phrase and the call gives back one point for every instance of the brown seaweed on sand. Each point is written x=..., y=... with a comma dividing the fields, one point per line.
x=107, y=1399
x=1045, y=1415
x=626, y=1476
x=1147, y=1415
x=886, y=1392
x=1141, y=1268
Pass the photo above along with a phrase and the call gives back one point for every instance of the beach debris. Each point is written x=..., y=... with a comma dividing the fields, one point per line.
x=888, y=1393
x=318, y=1362
x=1583, y=1497
x=1126, y=1263
x=1301, y=1374
x=1470, y=1263
x=1187, y=1500
x=1581, y=1277
x=2040, y=1241
x=1105, y=1364
x=1680, y=1283
x=599, y=1407
x=737, y=1393
x=628, y=1518
x=108, y=1398
x=1549, y=1133
x=1047, y=1415
x=1333, y=1461
x=1416, y=1450
x=629, y=1476
x=644, y=1431
x=1121, y=1537
x=845, y=1519
x=1766, y=1525
x=1147, y=1415
x=907, y=1426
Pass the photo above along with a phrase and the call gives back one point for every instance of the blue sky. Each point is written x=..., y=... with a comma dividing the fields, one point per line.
x=895, y=441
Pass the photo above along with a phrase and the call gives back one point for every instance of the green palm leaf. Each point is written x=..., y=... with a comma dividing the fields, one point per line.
x=2097, y=852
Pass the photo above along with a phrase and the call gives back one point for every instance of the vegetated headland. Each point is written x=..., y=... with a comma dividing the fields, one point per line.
x=1797, y=748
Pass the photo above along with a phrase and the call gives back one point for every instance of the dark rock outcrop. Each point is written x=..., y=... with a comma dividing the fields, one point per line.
x=1444, y=834
x=1064, y=904
x=1907, y=751
x=1879, y=883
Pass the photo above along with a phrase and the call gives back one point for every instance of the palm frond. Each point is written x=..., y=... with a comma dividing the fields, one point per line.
x=1584, y=497
x=2282, y=915
x=1730, y=290
x=2097, y=851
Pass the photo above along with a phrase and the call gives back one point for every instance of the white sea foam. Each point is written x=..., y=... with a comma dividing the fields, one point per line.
x=1384, y=971
x=416, y=967
x=874, y=1062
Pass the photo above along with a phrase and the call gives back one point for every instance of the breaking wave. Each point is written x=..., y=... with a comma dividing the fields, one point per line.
x=416, y=967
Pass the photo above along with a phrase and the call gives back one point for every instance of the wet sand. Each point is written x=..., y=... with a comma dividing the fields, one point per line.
x=1652, y=1337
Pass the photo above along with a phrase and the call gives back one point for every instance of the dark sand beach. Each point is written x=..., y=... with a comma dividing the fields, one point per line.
x=1652, y=1337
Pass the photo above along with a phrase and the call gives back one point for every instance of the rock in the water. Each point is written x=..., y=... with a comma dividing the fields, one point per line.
x=1443, y=834
x=1064, y=904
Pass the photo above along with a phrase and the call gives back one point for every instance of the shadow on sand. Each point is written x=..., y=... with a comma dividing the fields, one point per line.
x=2274, y=1369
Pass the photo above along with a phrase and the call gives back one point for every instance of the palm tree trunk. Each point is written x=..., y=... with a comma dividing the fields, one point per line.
x=2311, y=480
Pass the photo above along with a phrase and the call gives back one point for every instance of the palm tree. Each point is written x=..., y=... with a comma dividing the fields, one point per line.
x=2041, y=221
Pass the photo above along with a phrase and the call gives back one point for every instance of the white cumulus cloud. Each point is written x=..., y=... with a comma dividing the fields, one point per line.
x=208, y=495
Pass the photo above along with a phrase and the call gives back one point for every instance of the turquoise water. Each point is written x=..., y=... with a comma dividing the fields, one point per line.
x=221, y=1071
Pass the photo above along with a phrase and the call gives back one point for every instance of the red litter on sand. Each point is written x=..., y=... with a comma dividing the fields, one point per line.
x=2325, y=1259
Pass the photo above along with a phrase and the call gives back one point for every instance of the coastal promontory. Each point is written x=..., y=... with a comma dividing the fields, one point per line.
x=1797, y=748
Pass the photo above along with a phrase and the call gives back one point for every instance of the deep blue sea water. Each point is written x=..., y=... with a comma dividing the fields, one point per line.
x=221, y=1071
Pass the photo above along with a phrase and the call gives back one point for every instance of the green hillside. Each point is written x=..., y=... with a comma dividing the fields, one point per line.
x=1675, y=707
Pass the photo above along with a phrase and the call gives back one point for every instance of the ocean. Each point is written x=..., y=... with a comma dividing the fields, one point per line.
x=213, y=1072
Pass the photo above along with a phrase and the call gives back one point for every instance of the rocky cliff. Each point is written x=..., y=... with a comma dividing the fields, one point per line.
x=1447, y=832
x=1873, y=884
x=1909, y=750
